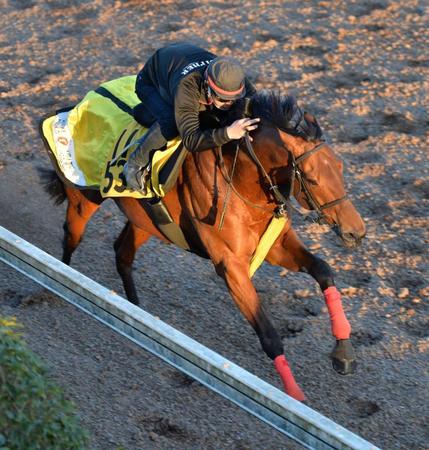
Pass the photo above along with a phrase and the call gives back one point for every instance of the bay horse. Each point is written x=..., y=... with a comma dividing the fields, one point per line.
x=289, y=156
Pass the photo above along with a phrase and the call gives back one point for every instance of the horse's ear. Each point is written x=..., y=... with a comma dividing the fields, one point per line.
x=247, y=107
x=309, y=117
x=242, y=108
x=311, y=126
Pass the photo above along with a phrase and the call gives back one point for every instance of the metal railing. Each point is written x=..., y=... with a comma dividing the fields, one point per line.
x=259, y=398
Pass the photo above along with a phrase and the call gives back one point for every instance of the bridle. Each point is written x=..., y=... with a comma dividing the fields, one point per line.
x=283, y=203
x=303, y=186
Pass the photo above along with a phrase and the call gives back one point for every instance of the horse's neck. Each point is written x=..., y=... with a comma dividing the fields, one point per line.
x=206, y=171
x=248, y=179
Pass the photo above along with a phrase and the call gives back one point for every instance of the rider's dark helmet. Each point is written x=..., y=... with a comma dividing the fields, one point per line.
x=225, y=77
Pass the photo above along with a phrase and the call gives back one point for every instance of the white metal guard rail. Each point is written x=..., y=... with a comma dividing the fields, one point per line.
x=261, y=399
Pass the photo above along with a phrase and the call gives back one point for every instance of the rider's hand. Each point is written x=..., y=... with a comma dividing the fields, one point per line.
x=240, y=127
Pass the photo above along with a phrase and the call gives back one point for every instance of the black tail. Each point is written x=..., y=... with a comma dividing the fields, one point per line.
x=52, y=184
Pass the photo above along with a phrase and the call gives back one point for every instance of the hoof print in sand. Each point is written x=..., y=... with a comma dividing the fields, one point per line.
x=291, y=328
x=365, y=338
x=41, y=297
x=312, y=308
x=183, y=380
x=363, y=408
x=418, y=327
x=163, y=426
x=11, y=298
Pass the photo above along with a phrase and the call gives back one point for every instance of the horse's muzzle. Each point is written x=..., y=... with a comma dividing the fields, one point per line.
x=349, y=240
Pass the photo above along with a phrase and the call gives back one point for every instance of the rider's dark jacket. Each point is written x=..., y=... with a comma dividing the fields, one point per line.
x=177, y=73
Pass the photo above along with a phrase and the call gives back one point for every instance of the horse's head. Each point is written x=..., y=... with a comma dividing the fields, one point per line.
x=317, y=171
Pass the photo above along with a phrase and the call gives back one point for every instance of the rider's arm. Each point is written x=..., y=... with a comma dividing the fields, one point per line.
x=186, y=108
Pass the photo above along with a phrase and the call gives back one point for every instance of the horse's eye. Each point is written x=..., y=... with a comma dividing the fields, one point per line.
x=311, y=181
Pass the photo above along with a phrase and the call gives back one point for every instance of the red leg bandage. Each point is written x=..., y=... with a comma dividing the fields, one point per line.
x=290, y=385
x=339, y=324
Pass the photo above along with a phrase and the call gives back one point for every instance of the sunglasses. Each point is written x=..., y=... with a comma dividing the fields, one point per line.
x=219, y=99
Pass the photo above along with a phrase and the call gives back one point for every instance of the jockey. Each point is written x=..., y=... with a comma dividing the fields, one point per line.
x=177, y=83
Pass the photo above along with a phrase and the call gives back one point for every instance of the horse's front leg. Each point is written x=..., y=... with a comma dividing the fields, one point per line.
x=289, y=252
x=235, y=272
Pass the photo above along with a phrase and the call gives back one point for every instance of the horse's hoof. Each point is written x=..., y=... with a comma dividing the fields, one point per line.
x=344, y=366
x=343, y=357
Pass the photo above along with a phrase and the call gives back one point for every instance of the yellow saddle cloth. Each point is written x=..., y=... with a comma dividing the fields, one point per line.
x=91, y=142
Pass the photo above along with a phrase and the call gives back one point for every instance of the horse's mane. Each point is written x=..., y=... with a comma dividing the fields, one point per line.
x=280, y=110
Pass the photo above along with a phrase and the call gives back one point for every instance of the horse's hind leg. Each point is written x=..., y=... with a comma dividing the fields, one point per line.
x=82, y=204
x=126, y=246
x=235, y=271
x=289, y=252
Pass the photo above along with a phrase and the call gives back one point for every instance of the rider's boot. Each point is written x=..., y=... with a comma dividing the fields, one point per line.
x=136, y=170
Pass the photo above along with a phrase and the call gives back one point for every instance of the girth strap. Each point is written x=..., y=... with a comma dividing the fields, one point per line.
x=162, y=219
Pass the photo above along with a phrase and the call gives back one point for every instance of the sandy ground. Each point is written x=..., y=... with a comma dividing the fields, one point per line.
x=361, y=67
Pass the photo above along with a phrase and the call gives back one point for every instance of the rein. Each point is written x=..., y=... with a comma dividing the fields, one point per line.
x=228, y=178
x=228, y=192
x=278, y=212
x=282, y=202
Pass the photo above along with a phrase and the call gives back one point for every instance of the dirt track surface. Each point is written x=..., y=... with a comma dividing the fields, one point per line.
x=362, y=68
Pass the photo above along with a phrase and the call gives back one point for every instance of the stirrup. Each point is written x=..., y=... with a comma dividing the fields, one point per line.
x=145, y=177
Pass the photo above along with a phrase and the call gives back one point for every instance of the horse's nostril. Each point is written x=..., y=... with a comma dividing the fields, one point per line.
x=351, y=239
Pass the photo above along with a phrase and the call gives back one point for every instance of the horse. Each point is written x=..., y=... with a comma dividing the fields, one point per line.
x=224, y=199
